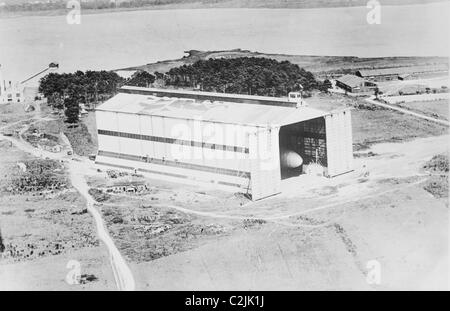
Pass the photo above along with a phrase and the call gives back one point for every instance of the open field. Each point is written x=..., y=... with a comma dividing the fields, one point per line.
x=12, y=112
x=435, y=108
x=49, y=273
x=375, y=125
x=51, y=222
x=42, y=230
x=309, y=239
x=395, y=86
x=405, y=232
x=41, y=233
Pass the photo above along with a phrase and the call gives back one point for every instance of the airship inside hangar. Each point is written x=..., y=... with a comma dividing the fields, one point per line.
x=247, y=143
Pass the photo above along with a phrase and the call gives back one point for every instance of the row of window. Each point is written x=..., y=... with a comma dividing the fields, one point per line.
x=204, y=168
x=175, y=141
x=166, y=173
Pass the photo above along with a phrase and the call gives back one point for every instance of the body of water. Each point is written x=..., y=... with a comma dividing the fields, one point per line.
x=122, y=39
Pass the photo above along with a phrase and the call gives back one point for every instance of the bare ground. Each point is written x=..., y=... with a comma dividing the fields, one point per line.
x=42, y=231
x=49, y=273
x=307, y=238
x=316, y=235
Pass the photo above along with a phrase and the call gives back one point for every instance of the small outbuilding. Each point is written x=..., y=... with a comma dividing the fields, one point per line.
x=355, y=84
x=403, y=73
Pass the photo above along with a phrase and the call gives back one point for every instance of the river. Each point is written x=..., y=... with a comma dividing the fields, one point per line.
x=121, y=39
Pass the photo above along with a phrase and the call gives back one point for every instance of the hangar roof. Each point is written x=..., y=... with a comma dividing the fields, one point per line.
x=217, y=111
x=351, y=80
x=212, y=96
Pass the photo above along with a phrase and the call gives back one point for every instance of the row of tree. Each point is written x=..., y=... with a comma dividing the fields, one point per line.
x=32, y=5
x=67, y=90
x=244, y=75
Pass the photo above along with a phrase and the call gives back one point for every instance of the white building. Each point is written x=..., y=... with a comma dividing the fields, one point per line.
x=9, y=91
x=230, y=140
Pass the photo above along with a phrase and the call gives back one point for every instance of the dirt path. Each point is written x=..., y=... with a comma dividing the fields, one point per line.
x=122, y=273
x=392, y=161
x=406, y=111
x=285, y=216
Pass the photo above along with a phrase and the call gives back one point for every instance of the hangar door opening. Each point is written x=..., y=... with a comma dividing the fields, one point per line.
x=303, y=148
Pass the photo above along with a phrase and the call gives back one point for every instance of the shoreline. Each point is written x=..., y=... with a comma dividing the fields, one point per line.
x=200, y=6
x=317, y=64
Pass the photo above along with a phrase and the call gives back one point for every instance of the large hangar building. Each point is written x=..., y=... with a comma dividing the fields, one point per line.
x=245, y=142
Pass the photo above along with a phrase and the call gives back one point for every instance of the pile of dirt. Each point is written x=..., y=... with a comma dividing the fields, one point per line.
x=149, y=233
x=99, y=195
x=38, y=175
x=367, y=106
x=36, y=138
x=438, y=164
x=86, y=278
x=437, y=185
x=250, y=223
x=116, y=174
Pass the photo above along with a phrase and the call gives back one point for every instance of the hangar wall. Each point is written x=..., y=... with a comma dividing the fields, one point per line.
x=231, y=144
x=206, y=151
x=339, y=143
x=265, y=162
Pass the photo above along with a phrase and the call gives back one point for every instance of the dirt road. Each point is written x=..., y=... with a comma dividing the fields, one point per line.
x=405, y=111
x=122, y=274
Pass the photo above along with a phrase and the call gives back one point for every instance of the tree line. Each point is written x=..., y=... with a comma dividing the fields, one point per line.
x=67, y=90
x=243, y=75
x=87, y=5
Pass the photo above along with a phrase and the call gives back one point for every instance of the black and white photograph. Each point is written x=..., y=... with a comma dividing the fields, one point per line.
x=224, y=146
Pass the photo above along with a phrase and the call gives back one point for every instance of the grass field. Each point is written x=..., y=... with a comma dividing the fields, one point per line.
x=375, y=125
x=435, y=108
x=79, y=136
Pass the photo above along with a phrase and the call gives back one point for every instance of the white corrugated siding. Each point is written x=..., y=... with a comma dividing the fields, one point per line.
x=339, y=143
x=186, y=130
x=265, y=163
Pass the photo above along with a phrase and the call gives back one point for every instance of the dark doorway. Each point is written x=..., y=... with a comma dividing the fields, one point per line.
x=306, y=139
